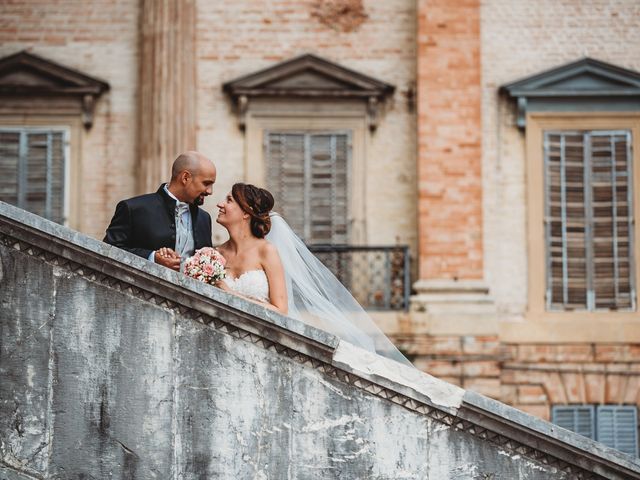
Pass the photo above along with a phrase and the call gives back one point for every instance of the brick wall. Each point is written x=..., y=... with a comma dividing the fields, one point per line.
x=539, y=376
x=531, y=377
x=233, y=39
x=449, y=140
x=241, y=37
x=519, y=39
x=99, y=39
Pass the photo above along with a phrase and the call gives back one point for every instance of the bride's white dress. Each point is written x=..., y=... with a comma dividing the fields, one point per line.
x=252, y=283
x=315, y=295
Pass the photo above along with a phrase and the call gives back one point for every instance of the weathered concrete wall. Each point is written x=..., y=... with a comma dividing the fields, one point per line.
x=112, y=367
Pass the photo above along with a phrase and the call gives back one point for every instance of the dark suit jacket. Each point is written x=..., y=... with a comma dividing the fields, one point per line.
x=146, y=223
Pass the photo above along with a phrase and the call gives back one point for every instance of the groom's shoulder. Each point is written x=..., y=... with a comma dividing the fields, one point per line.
x=144, y=199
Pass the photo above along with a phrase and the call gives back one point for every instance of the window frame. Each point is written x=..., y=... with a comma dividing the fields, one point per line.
x=312, y=117
x=537, y=124
x=589, y=236
x=349, y=153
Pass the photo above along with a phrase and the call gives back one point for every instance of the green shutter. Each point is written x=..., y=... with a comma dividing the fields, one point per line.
x=617, y=427
x=613, y=425
x=578, y=418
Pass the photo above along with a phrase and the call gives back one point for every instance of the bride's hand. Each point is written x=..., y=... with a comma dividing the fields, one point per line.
x=222, y=285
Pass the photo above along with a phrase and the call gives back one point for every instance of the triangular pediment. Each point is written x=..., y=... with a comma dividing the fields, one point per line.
x=24, y=72
x=308, y=79
x=586, y=77
x=311, y=76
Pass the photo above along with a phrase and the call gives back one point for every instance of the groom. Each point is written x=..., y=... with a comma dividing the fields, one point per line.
x=167, y=226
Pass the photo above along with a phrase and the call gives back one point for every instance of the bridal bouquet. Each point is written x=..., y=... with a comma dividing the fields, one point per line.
x=206, y=265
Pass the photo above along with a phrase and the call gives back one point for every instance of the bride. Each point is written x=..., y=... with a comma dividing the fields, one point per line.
x=268, y=264
x=254, y=269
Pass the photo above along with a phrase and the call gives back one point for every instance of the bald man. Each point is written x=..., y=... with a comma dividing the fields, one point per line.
x=167, y=226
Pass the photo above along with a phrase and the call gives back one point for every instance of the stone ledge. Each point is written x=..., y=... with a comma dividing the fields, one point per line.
x=150, y=279
x=515, y=431
x=535, y=433
x=10, y=473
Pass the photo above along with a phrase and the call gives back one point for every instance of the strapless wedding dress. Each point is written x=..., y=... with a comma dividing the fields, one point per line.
x=252, y=283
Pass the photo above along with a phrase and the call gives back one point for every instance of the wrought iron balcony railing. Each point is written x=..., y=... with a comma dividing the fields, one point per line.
x=378, y=277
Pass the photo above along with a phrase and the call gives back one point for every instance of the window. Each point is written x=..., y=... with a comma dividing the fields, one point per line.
x=588, y=220
x=32, y=170
x=308, y=176
x=614, y=425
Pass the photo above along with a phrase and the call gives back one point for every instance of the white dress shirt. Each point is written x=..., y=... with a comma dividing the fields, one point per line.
x=185, y=245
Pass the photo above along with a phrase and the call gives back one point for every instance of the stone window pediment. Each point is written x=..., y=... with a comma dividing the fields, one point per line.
x=309, y=77
x=587, y=84
x=24, y=75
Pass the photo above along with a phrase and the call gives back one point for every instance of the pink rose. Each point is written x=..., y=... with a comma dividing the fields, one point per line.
x=218, y=256
x=207, y=269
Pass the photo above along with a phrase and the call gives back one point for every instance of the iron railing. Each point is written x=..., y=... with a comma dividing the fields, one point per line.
x=378, y=277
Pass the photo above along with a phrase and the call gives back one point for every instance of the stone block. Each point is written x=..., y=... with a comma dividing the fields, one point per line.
x=540, y=411
x=481, y=345
x=521, y=375
x=481, y=369
x=595, y=388
x=508, y=394
x=554, y=386
x=445, y=345
x=439, y=368
x=534, y=353
x=615, y=388
x=631, y=391
x=531, y=394
x=486, y=386
x=611, y=353
x=574, y=387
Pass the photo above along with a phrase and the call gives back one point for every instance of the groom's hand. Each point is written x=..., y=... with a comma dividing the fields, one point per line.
x=168, y=258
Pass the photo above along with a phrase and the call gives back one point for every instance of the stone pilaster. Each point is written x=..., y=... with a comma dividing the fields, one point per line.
x=167, y=87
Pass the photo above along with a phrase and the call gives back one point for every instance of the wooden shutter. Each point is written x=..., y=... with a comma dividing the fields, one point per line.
x=610, y=212
x=328, y=189
x=308, y=176
x=579, y=419
x=32, y=171
x=588, y=220
x=285, y=155
x=9, y=162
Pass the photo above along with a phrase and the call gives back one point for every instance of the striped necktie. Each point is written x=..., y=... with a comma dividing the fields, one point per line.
x=182, y=229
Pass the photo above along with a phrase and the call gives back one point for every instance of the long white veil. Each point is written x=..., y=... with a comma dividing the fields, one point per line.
x=318, y=298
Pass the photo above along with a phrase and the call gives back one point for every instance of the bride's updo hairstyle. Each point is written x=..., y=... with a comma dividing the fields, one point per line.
x=257, y=202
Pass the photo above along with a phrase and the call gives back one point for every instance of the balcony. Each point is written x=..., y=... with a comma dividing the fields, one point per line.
x=377, y=276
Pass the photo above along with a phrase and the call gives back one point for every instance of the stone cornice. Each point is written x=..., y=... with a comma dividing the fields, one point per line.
x=308, y=77
x=586, y=84
x=28, y=75
x=517, y=433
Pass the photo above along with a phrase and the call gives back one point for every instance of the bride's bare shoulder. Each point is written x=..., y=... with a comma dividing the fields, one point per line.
x=267, y=249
